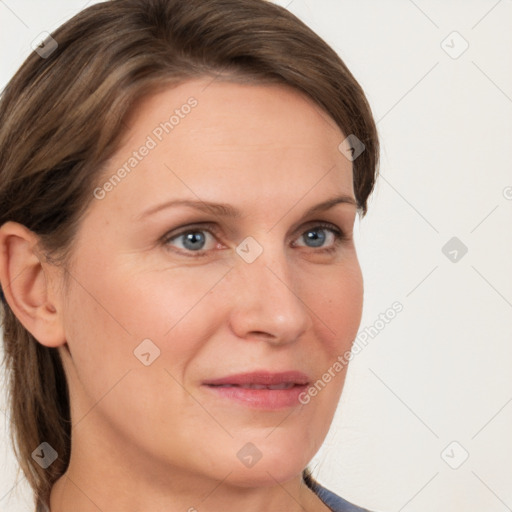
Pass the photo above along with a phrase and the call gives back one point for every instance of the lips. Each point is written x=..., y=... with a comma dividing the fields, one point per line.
x=267, y=391
x=283, y=385
x=262, y=380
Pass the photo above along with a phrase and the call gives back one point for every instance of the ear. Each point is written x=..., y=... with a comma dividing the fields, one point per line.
x=27, y=280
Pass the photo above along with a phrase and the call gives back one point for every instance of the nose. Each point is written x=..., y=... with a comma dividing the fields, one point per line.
x=266, y=299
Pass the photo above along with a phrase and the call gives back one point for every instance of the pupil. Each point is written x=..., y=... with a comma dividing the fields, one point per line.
x=194, y=237
x=313, y=236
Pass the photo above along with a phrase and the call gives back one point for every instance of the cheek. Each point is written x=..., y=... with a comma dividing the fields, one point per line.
x=176, y=307
x=113, y=307
x=124, y=301
x=338, y=304
x=100, y=341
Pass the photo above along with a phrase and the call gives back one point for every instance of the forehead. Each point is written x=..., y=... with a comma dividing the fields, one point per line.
x=224, y=141
x=251, y=116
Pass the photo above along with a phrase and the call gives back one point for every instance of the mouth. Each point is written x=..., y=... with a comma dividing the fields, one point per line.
x=283, y=385
x=261, y=390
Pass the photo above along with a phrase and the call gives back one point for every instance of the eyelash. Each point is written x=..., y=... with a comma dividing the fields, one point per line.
x=339, y=236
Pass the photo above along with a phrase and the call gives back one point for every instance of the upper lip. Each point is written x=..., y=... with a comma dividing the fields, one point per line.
x=261, y=377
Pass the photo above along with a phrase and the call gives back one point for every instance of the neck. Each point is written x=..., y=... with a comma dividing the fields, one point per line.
x=86, y=492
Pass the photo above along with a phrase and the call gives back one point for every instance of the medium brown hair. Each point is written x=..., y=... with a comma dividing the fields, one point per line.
x=61, y=119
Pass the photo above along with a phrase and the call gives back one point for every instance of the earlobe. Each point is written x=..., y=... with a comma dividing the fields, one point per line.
x=26, y=285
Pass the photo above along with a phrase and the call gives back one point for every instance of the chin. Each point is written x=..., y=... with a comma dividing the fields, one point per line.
x=266, y=463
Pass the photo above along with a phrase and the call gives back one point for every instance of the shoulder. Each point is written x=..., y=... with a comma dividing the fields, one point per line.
x=333, y=501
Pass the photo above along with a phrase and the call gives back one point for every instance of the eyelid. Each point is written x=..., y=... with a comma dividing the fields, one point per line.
x=216, y=230
x=340, y=235
x=196, y=226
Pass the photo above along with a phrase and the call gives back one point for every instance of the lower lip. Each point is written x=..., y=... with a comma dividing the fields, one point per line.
x=261, y=398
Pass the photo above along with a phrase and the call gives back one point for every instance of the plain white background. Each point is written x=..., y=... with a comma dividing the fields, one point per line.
x=426, y=414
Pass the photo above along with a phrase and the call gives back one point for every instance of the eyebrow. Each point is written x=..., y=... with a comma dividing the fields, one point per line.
x=227, y=210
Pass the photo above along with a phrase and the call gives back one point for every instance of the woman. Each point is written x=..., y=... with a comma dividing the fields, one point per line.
x=146, y=373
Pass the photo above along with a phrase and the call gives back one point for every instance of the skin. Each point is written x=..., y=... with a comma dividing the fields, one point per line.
x=152, y=437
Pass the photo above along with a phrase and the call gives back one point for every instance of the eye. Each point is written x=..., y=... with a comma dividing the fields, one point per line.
x=195, y=238
x=192, y=240
x=316, y=236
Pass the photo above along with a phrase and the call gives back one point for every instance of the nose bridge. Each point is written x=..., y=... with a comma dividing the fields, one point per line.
x=268, y=300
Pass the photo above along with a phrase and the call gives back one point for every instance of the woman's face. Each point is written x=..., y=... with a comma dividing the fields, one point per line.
x=163, y=299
